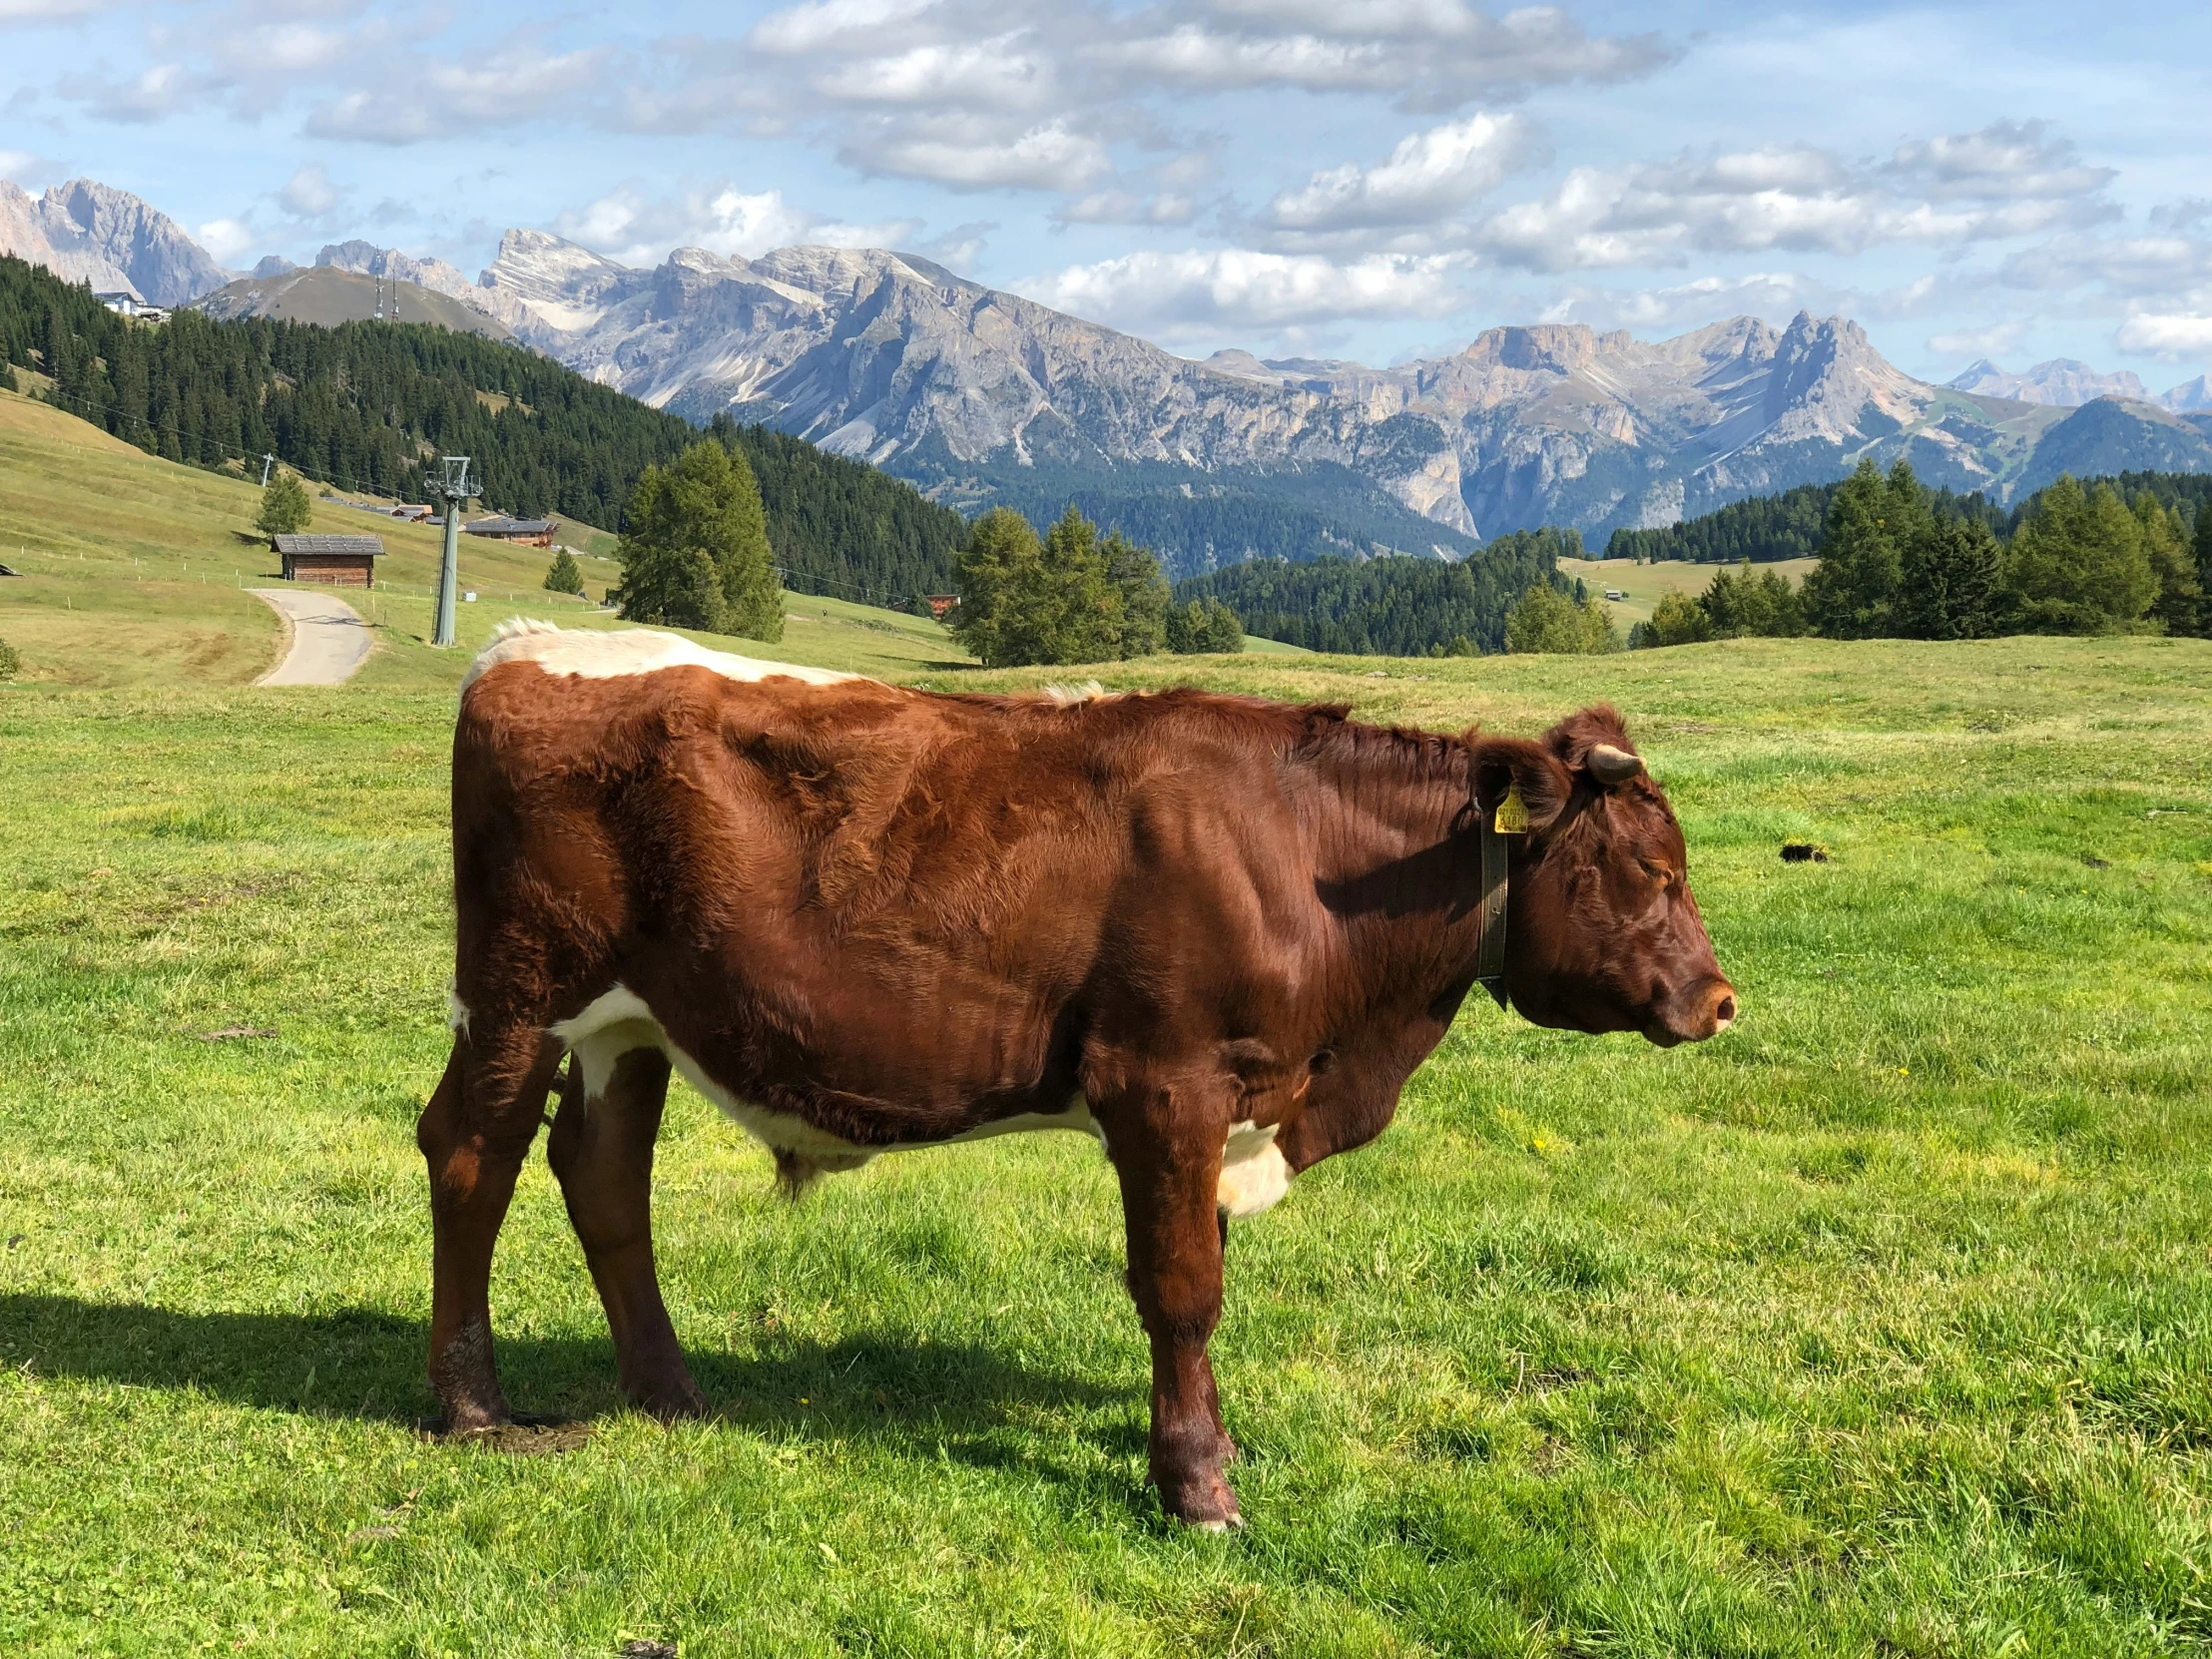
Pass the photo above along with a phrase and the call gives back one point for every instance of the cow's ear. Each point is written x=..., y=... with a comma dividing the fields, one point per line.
x=1504, y=765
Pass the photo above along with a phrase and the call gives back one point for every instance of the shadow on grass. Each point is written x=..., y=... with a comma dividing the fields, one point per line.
x=362, y=1364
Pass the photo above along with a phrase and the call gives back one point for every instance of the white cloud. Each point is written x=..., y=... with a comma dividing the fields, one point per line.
x=2004, y=161
x=1992, y=341
x=2170, y=334
x=308, y=193
x=635, y=229
x=1773, y=294
x=50, y=11
x=429, y=99
x=1981, y=187
x=958, y=153
x=961, y=245
x=1004, y=94
x=1186, y=293
x=226, y=239
x=151, y=95
x=1125, y=207
x=1435, y=55
x=1429, y=175
x=27, y=168
x=991, y=74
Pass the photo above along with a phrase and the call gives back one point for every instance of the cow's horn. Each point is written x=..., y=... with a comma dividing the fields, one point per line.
x=1610, y=766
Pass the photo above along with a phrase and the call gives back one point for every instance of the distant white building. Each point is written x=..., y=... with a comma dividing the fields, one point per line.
x=124, y=302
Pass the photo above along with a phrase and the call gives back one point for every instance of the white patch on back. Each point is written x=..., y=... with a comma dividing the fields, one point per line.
x=1254, y=1174
x=611, y=654
x=618, y=1021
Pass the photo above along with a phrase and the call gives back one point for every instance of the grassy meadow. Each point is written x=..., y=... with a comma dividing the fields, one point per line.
x=1880, y=1325
x=1641, y=587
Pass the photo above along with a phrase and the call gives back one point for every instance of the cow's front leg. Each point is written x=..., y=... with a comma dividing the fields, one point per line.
x=474, y=1135
x=1169, y=1162
x=602, y=1152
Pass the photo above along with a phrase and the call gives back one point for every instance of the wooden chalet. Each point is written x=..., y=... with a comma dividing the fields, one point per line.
x=526, y=532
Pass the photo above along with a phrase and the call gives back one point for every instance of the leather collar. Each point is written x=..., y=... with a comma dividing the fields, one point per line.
x=1489, y=959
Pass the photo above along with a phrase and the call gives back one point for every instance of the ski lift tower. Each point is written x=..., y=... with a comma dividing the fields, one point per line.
x=457, y=487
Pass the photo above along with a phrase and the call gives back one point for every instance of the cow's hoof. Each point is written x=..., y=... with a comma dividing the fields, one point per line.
x=1203, y=1500
x=469, y=1418
x=676, y=1404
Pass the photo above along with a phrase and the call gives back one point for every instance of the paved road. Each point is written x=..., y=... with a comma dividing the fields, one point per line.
x=328, y=638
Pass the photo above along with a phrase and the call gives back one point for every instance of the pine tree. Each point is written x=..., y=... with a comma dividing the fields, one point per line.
x=991, y=574
x=1204, y=627
x=1851, y=592
x=564, y=575
x=2179, y=606
x=751, y=596
x=2077, y=565
x=694, y=549
x=1740, y=604
x=1141, y=593
x=286, y=508
x=1950, y=583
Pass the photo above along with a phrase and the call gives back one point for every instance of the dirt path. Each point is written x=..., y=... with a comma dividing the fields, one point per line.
x=328, y=638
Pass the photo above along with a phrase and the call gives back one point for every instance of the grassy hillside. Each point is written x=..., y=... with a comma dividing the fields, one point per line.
x=1882, y=1325
x=327, y=296
x=1642, y=586
x=134, y=565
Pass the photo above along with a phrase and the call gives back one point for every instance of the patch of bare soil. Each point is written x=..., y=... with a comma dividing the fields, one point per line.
x=526, y=1436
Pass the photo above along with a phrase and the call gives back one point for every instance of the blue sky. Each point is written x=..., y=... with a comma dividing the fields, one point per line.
x=1374, y=179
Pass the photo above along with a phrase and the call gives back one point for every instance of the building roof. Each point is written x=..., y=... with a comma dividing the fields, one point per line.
x=373, y=546
x=513, y=527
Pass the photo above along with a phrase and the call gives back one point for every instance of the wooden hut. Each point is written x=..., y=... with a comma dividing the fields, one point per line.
x=333, y=561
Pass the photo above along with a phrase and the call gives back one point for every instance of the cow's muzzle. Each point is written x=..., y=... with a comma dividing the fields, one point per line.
x=1705, y=1009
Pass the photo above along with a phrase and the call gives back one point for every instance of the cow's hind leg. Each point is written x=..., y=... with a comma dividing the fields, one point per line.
x=1170, y=1174
x=474, y=1135
x=601, y=1151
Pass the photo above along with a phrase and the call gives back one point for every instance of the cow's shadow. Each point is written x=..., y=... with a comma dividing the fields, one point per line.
x=903, y=1391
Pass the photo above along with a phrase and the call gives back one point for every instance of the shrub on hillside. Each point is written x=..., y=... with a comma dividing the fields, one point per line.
x=11, y=662
x=1736, y=604
x=1548, y=621
x=1676, y=620
x=564, y=575
x=695, y=550
x=1204, y=628
x=286, y=508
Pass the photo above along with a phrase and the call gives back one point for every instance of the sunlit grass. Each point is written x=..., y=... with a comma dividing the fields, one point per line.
x=1882, y=1325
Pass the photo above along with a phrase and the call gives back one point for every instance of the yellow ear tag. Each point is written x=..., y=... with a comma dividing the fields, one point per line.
x=1512, y=813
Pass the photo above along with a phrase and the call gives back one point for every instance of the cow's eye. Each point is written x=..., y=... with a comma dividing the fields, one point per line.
x=1660, y=873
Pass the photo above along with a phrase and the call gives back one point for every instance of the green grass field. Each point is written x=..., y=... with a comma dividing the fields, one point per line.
x=1880, y=1325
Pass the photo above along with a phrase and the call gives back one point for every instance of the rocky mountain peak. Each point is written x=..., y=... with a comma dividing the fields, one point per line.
x=368, y=260
x=90, y=232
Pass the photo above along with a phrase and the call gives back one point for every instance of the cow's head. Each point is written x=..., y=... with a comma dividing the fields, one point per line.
x=1601, y=932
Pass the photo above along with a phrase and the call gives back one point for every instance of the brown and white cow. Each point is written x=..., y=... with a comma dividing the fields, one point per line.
x=1217, y=932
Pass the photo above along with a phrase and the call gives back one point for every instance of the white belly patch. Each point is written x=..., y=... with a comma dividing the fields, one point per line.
x=618, y=1021
x=1253, y=1175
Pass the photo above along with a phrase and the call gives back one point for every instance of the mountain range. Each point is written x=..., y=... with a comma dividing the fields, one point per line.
x=978, y=395
x=2067, y=384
